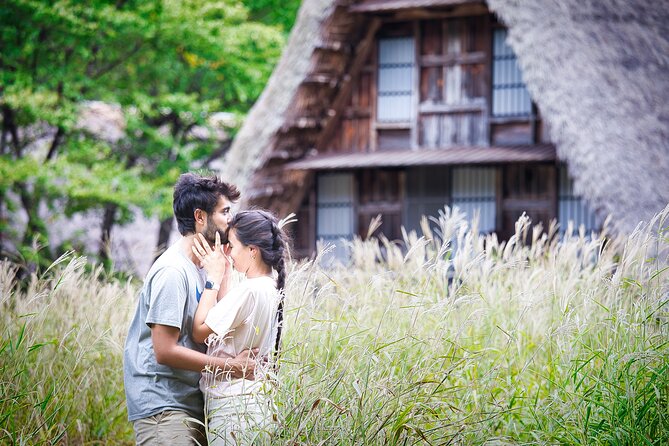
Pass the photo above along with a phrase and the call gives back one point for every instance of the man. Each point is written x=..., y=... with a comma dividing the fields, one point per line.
x=162, y=363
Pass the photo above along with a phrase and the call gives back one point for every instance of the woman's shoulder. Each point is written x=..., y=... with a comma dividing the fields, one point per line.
x=262, y=285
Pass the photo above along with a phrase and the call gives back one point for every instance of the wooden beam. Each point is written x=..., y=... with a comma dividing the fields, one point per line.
x=415, y=100
x=394, y=5
x=534, y=123
x=286, y=155
x=359, y=58
x=321, y=79
x=310, y=186
x=392, y=126
x=373, y=94
x=382, y=207
x=333, y=46
x=500, y=172
x=527, y=203
x=302, y=123
x=526, y=119
x=356, y=113
x=475, y=106
x=467, y=10
x=487, y=80
x=298, y=182
x=478, y=57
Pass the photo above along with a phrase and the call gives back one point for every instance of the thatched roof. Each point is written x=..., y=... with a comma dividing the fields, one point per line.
x=596, y=69
x=598, y=72
x=391, y=5
x=249, y=150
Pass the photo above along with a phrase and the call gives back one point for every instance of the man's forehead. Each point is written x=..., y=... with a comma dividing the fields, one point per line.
x=223, y=203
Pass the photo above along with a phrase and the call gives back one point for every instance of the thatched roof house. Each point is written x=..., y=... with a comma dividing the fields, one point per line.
x=598, y=72
x=595, y=70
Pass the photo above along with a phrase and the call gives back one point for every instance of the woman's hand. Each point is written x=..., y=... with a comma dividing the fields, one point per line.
x=214, y=261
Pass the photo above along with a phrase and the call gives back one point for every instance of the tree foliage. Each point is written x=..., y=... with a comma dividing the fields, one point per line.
x=169, y=64
x=274, y=12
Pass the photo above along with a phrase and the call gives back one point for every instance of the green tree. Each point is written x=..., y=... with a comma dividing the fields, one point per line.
x=274, y=12
x=169, y=64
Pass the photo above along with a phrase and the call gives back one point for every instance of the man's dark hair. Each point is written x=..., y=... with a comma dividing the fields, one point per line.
x=194, y=191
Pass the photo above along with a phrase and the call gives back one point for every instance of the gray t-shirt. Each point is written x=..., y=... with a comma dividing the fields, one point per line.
x=169, y=297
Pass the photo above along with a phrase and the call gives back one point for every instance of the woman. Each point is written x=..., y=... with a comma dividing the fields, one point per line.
x=249, y=315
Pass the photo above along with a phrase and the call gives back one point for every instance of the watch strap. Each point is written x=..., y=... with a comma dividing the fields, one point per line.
x=210, y=285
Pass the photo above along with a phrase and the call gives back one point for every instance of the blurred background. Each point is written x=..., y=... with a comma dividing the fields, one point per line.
x=103, y=105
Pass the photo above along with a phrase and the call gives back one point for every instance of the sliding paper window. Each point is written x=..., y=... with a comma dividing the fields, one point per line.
x=474, y=193
x=395, y=79
x=334, y=211
x=572, y=207
x=510, y=97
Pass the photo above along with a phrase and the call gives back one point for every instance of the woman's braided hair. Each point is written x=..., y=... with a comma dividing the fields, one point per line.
x=261, y=229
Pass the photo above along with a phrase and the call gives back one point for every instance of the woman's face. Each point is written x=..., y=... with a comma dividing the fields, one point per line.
x=240, y=254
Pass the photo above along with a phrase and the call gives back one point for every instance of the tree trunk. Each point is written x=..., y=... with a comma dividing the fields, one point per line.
x=35, y=225
x=3, y=226
x=105, y=238
x=35, y=236
x=9, y=126
x=163, y=236
x=57, y=139
x=3, y=145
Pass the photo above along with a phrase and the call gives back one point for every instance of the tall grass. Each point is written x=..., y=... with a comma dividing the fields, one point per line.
x=61, y=349
x=543, y=339
x=456, y=338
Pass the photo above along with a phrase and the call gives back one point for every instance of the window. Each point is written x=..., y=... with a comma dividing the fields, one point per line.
x=379, y=193
x=572, y=207
x=334, y=211
x=395, y=79
x=509, y=94
x=427, y=191
x=474, y=191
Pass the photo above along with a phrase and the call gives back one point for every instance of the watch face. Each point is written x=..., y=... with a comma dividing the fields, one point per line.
x=209, y=285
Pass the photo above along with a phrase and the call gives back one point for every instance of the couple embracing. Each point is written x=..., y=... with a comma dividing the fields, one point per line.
x=196, y=356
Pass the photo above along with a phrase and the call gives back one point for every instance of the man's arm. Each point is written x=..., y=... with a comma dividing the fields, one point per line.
x=169, y=353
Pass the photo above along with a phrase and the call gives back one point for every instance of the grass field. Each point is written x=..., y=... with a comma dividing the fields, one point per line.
x=539, y=340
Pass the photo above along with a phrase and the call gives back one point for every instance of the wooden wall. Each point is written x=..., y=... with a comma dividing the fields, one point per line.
x=452, y=90
x=454, y=82
x=529, y=188
x=453, y=78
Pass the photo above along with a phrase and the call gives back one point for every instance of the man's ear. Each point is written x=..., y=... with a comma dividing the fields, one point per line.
x=200, y=216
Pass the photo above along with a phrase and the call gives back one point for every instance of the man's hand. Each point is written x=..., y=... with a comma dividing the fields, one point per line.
x=244, y=365
x=169, y=353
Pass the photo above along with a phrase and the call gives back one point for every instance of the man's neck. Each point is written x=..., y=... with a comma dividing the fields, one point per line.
x=187, y=248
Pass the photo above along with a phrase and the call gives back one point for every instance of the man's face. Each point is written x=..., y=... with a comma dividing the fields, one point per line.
x=217, y=221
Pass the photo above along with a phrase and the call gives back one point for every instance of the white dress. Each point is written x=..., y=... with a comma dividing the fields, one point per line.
x=240, y=411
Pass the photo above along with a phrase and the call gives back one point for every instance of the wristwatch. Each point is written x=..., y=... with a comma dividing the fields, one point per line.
x=209, y=285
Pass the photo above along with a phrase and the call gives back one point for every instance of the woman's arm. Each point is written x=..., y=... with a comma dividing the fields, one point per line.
x=201, y=330
x=217, y=267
